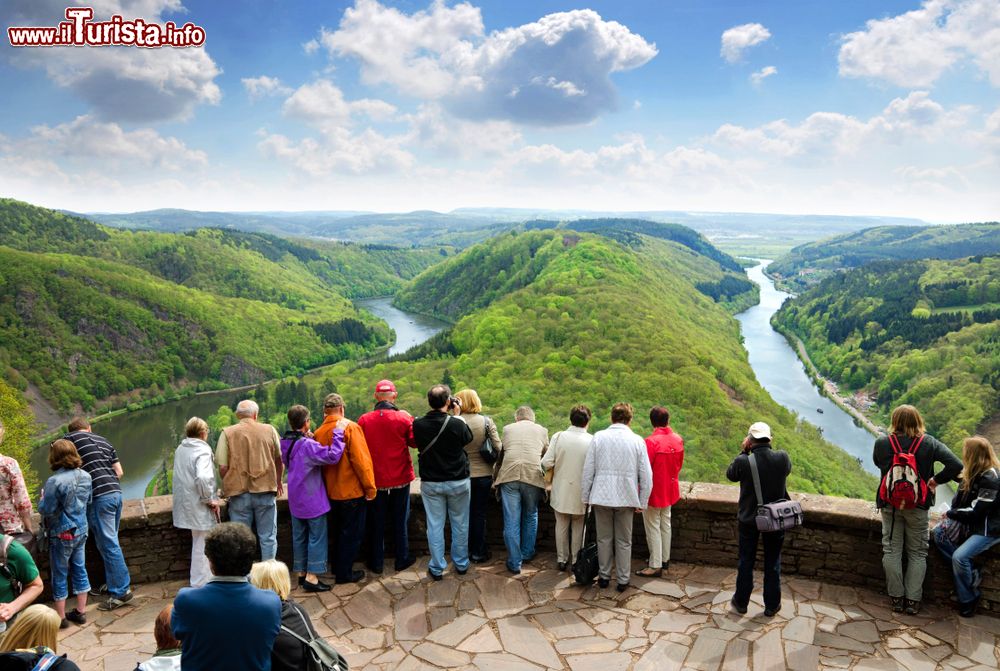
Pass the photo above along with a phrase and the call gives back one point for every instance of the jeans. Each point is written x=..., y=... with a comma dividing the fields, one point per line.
x=656, y=522
x=614, y=541
x=103, y=517
x=773, y=540
x=348, y=519
x=520, y=521
x=482, y=493
x=447, y=500
x=67, y=559
x=961, y=563
x=904, y=532
x=309, y=544
x=394, y=503
x=258, y=509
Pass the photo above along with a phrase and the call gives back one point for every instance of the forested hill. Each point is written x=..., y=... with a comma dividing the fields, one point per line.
x=100, y=317
x=581, y=318
x=814, y=261
x=925, y=332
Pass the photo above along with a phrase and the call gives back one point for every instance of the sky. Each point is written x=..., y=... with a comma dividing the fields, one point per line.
x=851, y=107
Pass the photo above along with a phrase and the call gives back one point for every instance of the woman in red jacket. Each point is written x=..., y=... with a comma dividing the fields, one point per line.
x=666, y=456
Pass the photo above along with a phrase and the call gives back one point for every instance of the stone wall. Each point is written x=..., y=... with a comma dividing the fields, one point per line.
x=839, y=543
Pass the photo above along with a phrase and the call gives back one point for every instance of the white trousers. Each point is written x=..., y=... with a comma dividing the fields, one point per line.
x=569, y=536
x=657, y=524
x=200, y=570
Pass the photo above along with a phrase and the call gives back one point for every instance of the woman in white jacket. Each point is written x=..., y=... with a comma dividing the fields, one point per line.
x=195, y=504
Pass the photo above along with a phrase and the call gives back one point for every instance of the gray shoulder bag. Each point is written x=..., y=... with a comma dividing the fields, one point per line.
x=777, y=516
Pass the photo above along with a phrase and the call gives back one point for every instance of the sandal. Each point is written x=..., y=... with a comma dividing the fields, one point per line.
x=649, y=572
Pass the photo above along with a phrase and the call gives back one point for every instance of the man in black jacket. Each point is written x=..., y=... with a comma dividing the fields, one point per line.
x=445, y=488
x=773, y=467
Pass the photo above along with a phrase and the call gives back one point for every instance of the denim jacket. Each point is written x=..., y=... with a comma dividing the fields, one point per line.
x=64, y=501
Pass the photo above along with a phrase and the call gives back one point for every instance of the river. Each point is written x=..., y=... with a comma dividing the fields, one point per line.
x=144, y=437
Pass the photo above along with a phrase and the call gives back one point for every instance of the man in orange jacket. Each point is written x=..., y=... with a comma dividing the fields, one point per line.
x=349, y=484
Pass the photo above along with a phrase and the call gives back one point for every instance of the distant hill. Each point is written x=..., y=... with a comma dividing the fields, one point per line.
x=552, y=318
x=924, y=332
x=811, y=262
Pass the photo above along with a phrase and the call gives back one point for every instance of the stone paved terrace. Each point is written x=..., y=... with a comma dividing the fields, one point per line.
x=488, y=620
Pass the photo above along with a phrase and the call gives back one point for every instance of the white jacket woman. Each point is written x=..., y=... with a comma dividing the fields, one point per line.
x=195, y=504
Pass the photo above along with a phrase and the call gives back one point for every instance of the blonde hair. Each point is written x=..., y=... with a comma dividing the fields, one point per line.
x=36, y=625
x=470, y=401
x=977, y=458
x=907, y=420
x=273, y=575
x=195, y=427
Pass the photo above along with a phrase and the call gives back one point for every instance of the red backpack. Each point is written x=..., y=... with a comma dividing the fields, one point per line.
x=902, y=487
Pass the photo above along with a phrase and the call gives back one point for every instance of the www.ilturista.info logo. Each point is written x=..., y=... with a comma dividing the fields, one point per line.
x=78, y=30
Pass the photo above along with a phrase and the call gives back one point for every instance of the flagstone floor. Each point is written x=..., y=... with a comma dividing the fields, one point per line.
x=488, y=620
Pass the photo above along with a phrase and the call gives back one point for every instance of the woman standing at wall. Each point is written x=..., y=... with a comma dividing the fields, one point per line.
x=196, y=506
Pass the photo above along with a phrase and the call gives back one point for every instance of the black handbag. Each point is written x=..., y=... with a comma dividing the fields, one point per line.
x=486, y=450
x=586, y=567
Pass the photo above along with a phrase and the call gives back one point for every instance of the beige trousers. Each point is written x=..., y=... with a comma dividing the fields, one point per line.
x=657, y=524
x=569, y=536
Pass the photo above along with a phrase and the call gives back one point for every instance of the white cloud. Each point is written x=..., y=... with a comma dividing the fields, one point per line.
x=554, y=71
x=916, y=48
x=738, y=39
x=322, y=104
x=762, y=74
x=264, y=86
x=122, y=83
x=338, y=151
x=434, y=129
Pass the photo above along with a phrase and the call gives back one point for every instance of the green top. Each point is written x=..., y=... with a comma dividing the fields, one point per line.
x=21, y=565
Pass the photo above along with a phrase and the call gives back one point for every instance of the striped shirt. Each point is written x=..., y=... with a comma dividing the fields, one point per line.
x=98, y=459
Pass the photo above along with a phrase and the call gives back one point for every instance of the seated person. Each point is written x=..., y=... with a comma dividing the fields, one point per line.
x=289, y=653
x=20, y=583
x=168, y=648
x=228, y=623
x=32, y=640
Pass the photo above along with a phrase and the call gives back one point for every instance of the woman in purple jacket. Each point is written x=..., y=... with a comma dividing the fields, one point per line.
x=304, y=459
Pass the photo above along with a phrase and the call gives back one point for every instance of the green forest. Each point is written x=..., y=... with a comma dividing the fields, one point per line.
x=814, y=261
x=923, y=332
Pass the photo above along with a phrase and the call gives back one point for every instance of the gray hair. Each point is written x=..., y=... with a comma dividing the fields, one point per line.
x=524, y=412
x=247, y=408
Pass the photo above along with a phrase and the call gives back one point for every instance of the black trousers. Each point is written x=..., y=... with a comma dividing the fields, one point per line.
x=482, y=492
x=773, y=540
x=394, y=505
x=347, y=520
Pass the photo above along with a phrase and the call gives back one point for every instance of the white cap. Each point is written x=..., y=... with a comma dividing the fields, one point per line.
x=760, y=430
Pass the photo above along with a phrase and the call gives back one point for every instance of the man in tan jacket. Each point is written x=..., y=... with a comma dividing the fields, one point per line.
x=521, y=485
x=249, y=458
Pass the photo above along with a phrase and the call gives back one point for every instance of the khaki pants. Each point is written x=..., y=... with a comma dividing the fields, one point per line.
x=657, y=524
x=614, y=542
x=569, y=536
x=904, y=532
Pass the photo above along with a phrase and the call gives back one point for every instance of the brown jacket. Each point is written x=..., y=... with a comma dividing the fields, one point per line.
x=353, y=476
x=249, y=451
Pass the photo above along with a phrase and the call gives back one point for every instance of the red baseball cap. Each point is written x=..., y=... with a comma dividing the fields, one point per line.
x=384, y=386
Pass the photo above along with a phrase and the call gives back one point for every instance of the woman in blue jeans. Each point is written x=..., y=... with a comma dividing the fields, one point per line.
x=977, y=506
x=64, y=505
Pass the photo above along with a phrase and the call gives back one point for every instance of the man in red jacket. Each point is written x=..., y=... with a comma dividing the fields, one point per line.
x=666, y=456
x=389, y=434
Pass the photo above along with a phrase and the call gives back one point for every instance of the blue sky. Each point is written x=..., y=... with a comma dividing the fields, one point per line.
x=849, y=107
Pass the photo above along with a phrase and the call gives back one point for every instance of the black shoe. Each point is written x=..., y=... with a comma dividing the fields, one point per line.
x=968, y=609
x=405, y=564
x=99, y=591
x=742, y=610
x=461, y=571
x=622, y=586
x=898, y=603
x=912, y=607
x=665, y=565
x=302, y=580
x=480, y=559
x=377, y=570
x=603, y=582
x=525, y=559
x=318, y=586
x=771, y=612
x=435, y=576
x=64, y=624
x=116, y=602
x=514, y=571
x=561, y=566
x=356, y=576
x=76, y=617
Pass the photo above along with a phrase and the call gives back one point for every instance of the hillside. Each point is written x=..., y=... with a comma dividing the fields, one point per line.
x=18, y=428
x=812, y=262
x=924, y=332
x=583, y=318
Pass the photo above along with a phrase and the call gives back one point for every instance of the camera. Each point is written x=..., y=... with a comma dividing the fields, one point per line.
x=454, y=402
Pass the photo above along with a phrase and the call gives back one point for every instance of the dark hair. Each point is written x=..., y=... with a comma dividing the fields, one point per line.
x=231, y=547
x=579, y=416
x=659, y=416
x=298, y=415
x=438, y=396
x=162, y=631
x=621, y=413
x=63, y=454
x=78, y=424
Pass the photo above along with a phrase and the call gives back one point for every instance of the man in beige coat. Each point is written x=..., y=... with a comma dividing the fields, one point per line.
x=565, y=458
x=521, y=485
